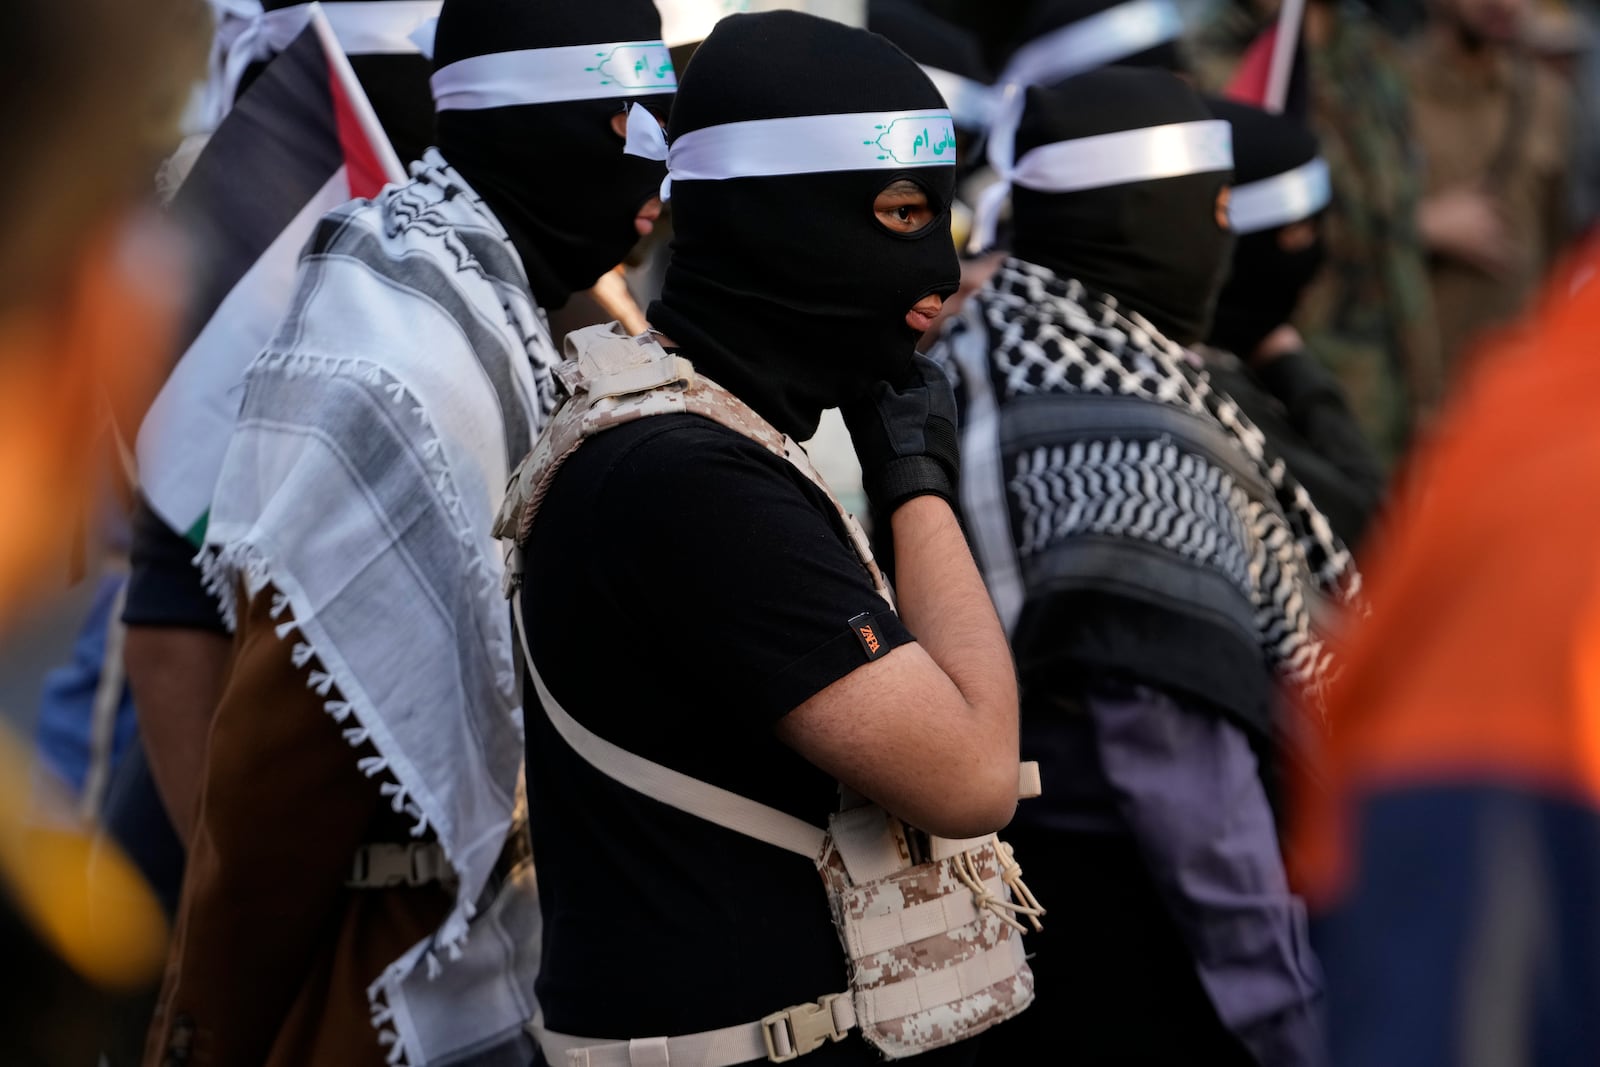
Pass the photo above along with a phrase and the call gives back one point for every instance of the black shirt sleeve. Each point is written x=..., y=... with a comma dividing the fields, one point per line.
x=742, y=561
x=164, y=585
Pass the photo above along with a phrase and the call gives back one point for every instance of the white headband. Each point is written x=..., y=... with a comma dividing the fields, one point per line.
x=1094, y=42
x=374, y=28
x=1119, y=158
x=1281, y=199
x=806, y=144
x=552, y=75
x=971, y=103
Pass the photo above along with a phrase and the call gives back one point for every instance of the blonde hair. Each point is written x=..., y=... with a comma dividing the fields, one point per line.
x=91, y=92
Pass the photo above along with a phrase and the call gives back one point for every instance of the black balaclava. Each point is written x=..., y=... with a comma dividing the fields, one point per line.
x=1154, y=245
x=1049, y=15
x=1266, y=281
x=397, y=86
x=553, y=174
x=928, y=39
x=787, y=289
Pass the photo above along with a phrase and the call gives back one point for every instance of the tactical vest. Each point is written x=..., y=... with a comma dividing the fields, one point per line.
x=931, y=927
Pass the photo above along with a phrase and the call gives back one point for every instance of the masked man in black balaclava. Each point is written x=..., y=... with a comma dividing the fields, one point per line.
x=1253, y=354
x=1156, y=568
x=357, y=854
x=692, y=598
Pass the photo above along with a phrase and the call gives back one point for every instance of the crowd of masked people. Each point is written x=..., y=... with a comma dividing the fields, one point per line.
x=1189, y=665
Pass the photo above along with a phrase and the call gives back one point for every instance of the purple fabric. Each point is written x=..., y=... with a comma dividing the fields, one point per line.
x=1185, y=783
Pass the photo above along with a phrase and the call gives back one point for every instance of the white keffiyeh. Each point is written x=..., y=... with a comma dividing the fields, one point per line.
x=377, y=432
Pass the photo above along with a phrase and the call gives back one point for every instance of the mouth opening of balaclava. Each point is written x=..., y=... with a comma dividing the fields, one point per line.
x=395, y=83
x=1063, y=38
x=553, y=171
x=783, y=286
x=1132, y=216
x=1279, y=180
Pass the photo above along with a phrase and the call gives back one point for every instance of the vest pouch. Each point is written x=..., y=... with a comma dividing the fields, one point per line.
x=935, y=948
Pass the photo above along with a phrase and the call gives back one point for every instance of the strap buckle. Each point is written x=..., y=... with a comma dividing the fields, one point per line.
x=795, y=1031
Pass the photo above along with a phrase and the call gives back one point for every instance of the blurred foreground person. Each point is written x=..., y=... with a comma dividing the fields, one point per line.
x=1493, y=131
x=91, y=289
x=357, y=854
x=1161, y=574
x=1458, y=853
x=713, y=651
x=1280, y=193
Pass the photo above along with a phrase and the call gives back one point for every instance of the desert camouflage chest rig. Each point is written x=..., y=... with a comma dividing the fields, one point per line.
x=931, y=927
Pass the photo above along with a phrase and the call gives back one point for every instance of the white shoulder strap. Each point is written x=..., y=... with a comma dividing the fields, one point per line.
x=701, y=799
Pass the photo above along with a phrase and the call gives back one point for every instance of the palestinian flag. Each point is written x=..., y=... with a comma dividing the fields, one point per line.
x=301, y=141
x=1272, y=73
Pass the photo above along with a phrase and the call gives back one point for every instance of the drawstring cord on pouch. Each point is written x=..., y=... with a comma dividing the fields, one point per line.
x=966, y=868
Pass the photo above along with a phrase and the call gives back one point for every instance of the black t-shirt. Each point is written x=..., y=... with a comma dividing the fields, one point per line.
x=685, y=590
x=165, y=588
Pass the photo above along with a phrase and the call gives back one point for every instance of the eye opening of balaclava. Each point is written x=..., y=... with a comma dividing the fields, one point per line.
x=525, y=94
x=805, y=315
x=1114, y=178
x=937, y=210
x=1279, y=180
x=1063, y=38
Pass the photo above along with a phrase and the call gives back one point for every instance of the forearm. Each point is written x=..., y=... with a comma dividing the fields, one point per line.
x=943, y=601
x=177, y=677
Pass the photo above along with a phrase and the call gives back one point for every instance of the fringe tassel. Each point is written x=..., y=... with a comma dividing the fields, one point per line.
x=224, y=566
x=397, y=792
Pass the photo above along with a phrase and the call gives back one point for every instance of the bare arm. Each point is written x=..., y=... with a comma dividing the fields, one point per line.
x=177, y=677
x=929, y=731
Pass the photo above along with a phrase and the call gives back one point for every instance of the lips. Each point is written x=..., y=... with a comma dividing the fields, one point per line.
x=920, y=321
x=645, y=221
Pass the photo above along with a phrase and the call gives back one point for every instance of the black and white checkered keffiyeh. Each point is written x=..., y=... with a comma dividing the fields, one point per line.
x=1096, y=455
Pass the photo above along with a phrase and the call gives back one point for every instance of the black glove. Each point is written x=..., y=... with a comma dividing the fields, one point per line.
x=905, y=438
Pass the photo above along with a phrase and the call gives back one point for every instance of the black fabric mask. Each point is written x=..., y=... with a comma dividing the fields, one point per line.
x=928, y=39
x=554, y=174
x=1266, y=281
x=1154, y=245
x=396, y=85
x=787, y=290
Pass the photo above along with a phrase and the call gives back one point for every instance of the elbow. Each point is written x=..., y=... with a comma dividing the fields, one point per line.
x=984, y=804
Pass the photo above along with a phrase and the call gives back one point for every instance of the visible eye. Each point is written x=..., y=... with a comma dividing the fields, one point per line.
x=903, y=207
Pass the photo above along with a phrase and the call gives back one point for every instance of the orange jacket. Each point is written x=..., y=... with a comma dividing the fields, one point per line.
x=1480, y=661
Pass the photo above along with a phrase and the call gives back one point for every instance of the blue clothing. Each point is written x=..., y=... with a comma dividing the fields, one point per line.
x=65, y=735
x=1470, y=934
x=1171, y=937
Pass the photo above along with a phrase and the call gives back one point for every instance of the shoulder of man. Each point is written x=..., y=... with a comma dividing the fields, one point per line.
x=661, y=454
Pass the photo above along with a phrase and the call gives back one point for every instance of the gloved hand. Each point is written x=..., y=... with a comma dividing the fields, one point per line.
x=905, y=438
